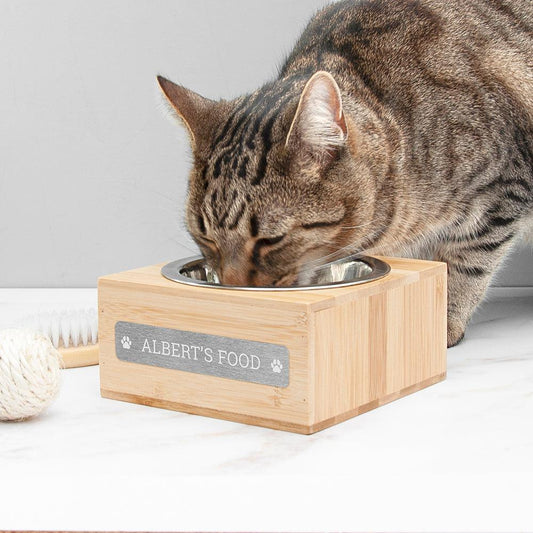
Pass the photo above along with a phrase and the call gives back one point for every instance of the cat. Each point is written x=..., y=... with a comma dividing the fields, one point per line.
x=400, y=127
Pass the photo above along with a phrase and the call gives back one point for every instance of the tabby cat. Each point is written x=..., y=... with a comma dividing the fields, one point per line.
x=401, y=127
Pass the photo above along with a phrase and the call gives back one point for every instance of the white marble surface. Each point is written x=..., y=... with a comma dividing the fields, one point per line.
x=457, y=456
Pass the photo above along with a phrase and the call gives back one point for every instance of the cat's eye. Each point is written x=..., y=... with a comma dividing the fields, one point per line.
x=271, y=241
x=207, y=242
x=203, y=239
x=261, y=244
x=201, y=224
x=321, y=224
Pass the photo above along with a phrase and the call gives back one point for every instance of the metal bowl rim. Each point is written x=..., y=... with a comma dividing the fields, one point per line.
x=171, y=271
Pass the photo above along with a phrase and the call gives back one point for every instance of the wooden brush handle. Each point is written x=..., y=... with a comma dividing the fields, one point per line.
x=80, y=356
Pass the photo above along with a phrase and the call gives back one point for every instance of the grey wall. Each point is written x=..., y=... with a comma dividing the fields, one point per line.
x=92, y=176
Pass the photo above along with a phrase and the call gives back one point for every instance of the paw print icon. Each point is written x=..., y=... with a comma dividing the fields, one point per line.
x=276, y=366
x=126, y=342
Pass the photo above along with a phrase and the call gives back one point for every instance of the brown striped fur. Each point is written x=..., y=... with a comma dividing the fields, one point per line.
x=428, y=152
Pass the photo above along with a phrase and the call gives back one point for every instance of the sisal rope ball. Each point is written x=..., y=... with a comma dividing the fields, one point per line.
x=30, y=373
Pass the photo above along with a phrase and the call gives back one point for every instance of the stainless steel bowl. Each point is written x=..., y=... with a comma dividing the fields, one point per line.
x=340, y=273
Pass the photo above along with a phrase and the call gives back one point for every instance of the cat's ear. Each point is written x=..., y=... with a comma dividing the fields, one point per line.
x=196, y=112
x=319, y=127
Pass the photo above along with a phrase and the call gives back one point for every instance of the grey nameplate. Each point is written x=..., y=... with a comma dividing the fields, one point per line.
x=244, y=360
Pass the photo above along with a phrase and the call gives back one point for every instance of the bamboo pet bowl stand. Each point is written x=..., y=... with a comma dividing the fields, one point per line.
x=298, y=361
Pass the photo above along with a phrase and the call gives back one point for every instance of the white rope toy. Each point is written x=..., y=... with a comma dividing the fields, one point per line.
x=30, y=373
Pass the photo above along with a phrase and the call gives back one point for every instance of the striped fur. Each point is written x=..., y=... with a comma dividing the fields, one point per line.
x=394, y=126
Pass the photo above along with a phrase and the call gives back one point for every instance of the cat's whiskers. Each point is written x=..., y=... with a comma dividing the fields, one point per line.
x=350, y=250
x=320, y=260
x=187, y=246
x=326, y=260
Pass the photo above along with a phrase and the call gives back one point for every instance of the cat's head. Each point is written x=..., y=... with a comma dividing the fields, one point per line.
x=268, y=191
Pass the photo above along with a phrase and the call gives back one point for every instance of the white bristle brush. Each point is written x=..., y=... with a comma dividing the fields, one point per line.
x=73, y=332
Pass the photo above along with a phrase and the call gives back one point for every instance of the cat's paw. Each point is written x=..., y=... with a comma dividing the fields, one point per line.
x=456, y=333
